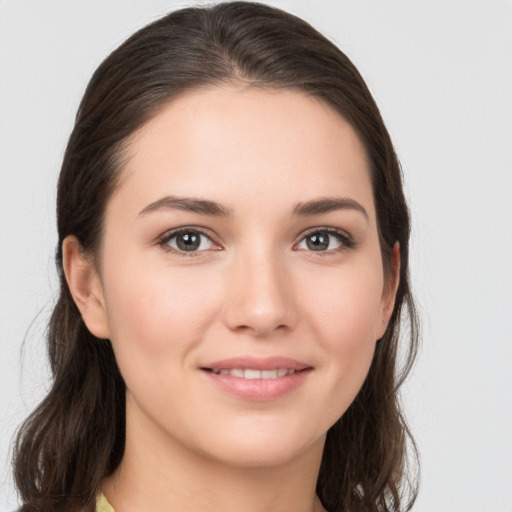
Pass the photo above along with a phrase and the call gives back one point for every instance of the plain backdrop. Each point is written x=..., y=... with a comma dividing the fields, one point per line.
x=441, y=72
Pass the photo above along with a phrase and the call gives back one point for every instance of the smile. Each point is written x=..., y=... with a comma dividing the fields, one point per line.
x=251, y=373
x=257, y=379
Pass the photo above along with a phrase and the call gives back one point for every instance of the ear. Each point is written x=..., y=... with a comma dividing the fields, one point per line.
x=389, y=292
x=85, y=286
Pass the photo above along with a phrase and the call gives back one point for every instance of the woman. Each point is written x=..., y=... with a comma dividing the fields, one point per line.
x=233, y=252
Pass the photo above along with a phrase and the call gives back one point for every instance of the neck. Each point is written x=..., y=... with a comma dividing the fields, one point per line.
x=158, y=473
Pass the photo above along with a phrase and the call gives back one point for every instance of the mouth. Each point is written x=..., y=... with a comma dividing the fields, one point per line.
x=254, y=373
x=258, y=379
x=250, y=367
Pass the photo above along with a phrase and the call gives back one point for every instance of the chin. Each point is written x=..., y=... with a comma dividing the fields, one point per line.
x=253, y=448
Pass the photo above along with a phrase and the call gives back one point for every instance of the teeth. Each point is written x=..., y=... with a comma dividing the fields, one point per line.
x=250, y=373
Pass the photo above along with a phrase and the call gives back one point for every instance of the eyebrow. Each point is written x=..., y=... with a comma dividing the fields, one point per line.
x=189, y=204
x=327, y=205
x=205, y=207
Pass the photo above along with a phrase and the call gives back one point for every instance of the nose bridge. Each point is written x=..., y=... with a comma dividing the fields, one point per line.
x=260, y=298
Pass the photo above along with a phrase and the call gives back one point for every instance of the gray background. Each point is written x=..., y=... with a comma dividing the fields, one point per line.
x=441, y=72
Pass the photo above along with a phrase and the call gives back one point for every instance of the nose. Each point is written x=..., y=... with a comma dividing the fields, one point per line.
x=260, y=299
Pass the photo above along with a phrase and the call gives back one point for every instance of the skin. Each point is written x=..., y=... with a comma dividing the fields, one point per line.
x=254, y=288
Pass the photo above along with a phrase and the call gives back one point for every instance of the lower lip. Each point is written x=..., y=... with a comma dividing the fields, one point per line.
x=258, y=389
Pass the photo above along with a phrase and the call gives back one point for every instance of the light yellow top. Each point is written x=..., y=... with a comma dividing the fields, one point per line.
x=102, y=504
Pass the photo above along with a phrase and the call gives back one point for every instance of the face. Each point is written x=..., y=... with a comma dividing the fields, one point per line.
x=240, y=277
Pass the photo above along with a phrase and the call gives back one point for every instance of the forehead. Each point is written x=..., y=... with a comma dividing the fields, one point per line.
x=227, y=143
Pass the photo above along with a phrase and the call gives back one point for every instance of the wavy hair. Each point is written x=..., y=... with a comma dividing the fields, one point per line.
x=76, y=436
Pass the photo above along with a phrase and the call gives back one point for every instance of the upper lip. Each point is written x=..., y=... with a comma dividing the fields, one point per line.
x=257, y=363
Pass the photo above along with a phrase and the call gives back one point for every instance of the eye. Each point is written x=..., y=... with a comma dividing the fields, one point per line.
x=187, y=240
x=324, y=240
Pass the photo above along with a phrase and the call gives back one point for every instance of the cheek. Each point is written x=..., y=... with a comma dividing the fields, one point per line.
x=157, y=313
x=345, y=307
x=345, y=319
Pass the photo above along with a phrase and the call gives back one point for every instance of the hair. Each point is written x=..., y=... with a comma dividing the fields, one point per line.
x=76, y=436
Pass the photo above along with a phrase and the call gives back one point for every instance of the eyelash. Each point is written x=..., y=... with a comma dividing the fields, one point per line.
x=164, y=240
x=346, y=241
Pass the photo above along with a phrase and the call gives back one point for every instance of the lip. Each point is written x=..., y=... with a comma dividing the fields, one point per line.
x=258, y=363
x=257, y=389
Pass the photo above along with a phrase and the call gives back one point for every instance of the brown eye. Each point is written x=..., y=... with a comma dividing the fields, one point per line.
x=189, y=241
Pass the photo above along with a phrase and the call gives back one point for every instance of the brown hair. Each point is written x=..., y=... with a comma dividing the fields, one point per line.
x=76, y=436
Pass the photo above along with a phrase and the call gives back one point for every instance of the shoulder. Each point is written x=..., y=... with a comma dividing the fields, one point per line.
x=102, y=504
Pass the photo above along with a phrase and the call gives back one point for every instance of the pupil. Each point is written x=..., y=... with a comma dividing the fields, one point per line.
x=189, y=241
x=318, y=242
